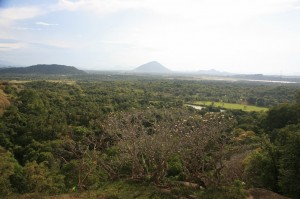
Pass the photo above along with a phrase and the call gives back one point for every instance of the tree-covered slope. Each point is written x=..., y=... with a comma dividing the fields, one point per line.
x=44, y=69
x=117, y=138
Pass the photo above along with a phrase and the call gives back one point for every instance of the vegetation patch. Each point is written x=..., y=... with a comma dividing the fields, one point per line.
x=4, y=102
x=135, y=138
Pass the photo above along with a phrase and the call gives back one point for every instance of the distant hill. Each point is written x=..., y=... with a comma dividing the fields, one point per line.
x=6, y=64
x=45, y=69
x=152, y=67
x=213, y=72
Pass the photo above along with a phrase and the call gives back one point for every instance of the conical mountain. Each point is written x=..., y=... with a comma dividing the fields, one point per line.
x=152, y=67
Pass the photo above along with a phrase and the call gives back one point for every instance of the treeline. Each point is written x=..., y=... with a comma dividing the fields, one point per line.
x=74, y=136
x=251, y=93
x=275, y=165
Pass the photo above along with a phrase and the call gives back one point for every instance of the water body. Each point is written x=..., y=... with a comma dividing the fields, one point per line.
x=271, y=81
x=196, y=106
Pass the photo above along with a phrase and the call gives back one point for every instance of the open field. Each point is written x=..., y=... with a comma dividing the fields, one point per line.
x=231, y=106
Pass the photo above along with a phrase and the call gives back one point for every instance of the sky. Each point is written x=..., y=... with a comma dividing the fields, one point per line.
x=239, y=36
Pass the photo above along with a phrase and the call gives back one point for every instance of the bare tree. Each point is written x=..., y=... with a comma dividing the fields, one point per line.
x=148, y=139
x=202, y=147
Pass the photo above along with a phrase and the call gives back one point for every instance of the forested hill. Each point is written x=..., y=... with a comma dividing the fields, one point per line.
x=43, y=69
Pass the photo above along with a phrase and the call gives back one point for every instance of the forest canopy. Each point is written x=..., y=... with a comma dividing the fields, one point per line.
x=72, y=135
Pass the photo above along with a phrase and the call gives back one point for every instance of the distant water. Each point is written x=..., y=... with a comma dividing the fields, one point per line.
x=271, y=81
x=196, y=106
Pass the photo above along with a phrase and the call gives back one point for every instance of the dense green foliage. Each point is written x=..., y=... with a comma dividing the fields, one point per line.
x=70, y=135
x=276, y=165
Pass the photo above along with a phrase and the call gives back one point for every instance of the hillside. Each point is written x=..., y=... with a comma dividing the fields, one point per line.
x=152, y=67
x=45, y=69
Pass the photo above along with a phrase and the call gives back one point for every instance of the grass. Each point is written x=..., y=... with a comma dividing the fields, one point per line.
x=231, y=106
x=124, y=189
x=19, y=81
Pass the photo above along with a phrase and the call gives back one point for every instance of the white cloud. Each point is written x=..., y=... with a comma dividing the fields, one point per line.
x=17, y=44
x=220, y=12
x=26, y=28
x=10, y=15
x=11, y=46
x=99, y=7
x=46, y=24
x=58, y=44
x=211, y=10
x=9, y=18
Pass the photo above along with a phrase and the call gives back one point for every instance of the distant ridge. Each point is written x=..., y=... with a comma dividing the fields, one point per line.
x=5, y=64
x=152, y=67
x=214, y=72
x=43, y=69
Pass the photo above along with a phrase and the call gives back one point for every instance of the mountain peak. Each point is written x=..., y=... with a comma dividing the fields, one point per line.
x=153, y=62
x=152, y=67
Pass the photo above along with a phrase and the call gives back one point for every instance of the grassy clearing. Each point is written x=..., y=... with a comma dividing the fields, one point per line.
x=19, y=81
x=230, y=106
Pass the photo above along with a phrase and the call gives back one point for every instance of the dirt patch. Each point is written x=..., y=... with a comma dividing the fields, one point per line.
x=257, y=193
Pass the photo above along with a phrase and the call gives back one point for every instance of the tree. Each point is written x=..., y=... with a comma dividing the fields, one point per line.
x=82, y=156
x=282, y=115
x=8, y=166
x=204, y=148
x=261, y=170
x=149, y=139
x=40, y=179
x=289, y=162
x=298, y=98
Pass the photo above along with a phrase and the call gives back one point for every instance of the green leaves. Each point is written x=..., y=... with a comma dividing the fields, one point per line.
x=8, y=167
x=289, y=164
x=41, y=179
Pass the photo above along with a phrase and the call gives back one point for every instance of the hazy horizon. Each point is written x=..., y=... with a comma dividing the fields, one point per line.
x=237, y=36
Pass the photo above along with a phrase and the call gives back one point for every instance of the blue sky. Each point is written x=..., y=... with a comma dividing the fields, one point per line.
x=240, y=36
